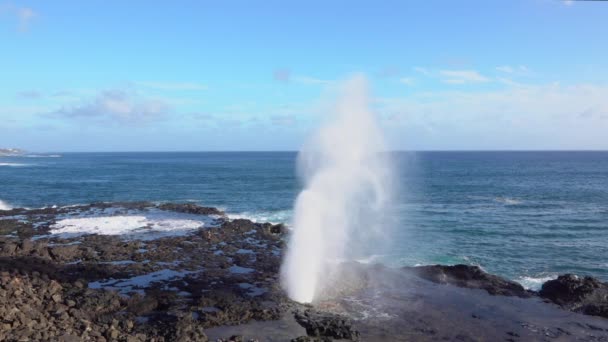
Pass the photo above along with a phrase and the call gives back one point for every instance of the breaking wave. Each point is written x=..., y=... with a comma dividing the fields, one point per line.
x=274, y=217
x=534, y=283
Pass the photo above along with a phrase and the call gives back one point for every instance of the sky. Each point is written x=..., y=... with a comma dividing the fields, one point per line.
x=242, y=75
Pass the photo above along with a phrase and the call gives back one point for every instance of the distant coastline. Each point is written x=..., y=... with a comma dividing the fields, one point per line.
x=11, y=152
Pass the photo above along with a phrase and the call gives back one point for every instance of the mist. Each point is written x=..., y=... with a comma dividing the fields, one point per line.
x=347, y=177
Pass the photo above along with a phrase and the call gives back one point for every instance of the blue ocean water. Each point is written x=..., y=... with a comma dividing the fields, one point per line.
x=525, y=215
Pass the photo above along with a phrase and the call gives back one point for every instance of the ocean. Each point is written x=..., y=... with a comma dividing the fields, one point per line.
x=527, y=216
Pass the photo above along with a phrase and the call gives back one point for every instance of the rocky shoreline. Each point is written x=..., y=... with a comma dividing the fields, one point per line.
x=218, y=279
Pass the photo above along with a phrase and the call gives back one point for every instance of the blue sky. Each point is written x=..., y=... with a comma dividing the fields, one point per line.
x=234, y=75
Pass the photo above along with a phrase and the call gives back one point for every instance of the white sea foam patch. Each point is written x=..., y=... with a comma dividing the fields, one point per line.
x=43, y=156
x=507, y=200
x=4, y=206
x=14, y=164
x=141, y=226
x=534, y=283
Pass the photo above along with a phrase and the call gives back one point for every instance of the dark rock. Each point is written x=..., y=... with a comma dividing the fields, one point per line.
x=45, y=294
x=190, y=208
x=26, y=246
x=7, y=248
x=143, y=306
x=586, y=295
x=64, y=253
x=311, y=339
x=239, y=226
x=471, y=277
x=323, y=325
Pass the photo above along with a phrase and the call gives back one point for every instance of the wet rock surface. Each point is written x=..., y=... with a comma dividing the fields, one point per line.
x=471, y=277
x=217, y=279
x=324, y=325
x=131, y=288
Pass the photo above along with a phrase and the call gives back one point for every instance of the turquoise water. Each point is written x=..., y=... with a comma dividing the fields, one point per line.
x=524, y=215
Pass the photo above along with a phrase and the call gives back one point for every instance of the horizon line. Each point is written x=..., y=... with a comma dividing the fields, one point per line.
x=295, y=151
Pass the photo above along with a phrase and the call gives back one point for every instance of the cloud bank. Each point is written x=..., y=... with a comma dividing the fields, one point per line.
x=117, y=106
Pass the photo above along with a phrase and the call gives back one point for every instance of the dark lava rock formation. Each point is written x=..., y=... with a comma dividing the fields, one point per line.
x=586, y=295
x=471, y=277
x=135, y=288
x=324, y=325
x=217, y=279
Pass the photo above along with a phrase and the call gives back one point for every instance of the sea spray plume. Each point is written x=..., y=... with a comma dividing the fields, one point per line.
x=4, y=206
x=346, y=175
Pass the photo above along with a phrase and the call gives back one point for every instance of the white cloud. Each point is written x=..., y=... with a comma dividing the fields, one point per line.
x=453, y=76
x=26, y=15
x=407, y=81
x=310, y=80
x=462, y=76
x=548, y=116
x=508, y=82
x=23, y=15
x=422, y=70
x=173, y=86
x=117, y=106
x=505, y=68
x=508, y=69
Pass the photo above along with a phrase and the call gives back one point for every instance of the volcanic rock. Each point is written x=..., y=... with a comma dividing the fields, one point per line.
x=472, y=277
x=326, y=325
x=579, y=294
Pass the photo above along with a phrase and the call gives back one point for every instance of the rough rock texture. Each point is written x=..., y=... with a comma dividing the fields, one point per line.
x=225, y=274
x=471, y=277
x=580, y=294
x=324, y=325
x=190, y=208
x=110, y=288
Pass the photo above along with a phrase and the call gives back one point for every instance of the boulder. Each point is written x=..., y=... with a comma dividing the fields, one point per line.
x=325, y=325
x=472, y=277
x=586, y=295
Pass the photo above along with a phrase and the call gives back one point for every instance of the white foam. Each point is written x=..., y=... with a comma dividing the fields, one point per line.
x=14, y=164
x=507, y=200
x=135, y=225
x=4, y=206
x=534, y=283
x=374, y=258
x=43, y=156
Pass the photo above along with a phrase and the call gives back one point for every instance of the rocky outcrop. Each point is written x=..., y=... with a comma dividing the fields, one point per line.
x=9, y=152
x=324, y=326
x=471, y=277
x=111, y=288
x=189, y=208
x=224, y=274
x=35, y=307
x=586, y=295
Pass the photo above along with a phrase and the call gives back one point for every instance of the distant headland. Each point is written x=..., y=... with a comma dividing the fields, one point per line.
x=7, y=152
